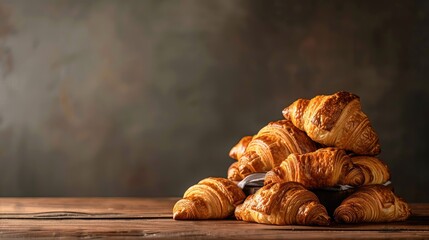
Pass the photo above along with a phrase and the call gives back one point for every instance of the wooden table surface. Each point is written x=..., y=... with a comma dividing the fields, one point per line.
x=152, y=218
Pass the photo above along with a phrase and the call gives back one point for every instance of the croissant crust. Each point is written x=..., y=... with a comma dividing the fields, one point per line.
x=273, y=144
x=373, y=203
x=211, y=198
x=283, y=204
x=240, y=147
x=335, y=120
x=234, y=173
x=374, y=170
x=325, y=167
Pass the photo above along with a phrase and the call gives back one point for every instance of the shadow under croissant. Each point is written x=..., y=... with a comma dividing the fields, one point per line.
x=331, y=197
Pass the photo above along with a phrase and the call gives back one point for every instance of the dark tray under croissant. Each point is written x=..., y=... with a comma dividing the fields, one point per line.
x=331, y=197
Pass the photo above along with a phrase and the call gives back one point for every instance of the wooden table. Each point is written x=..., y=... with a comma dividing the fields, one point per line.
x=152, y=218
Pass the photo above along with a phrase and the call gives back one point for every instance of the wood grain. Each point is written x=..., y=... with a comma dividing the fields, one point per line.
x=152, y=218
x=86, y=207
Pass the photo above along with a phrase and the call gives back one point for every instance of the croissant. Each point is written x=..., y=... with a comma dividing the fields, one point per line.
x=240, y=147
x=283, y=204
x=211, y=198
x=325, y=167
x=272, y=145
x=374, y=170
x=233, y=173
x=374, y=203
x=335, y=120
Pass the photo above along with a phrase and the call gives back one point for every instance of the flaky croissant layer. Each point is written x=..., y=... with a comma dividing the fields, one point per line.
x=326, y=167
x=272, y=145
x=374, y=170
x=373, y=203
x=335, y=120
x=211, y=198
x=234, y=173
x=240, y=147
x=283, y=204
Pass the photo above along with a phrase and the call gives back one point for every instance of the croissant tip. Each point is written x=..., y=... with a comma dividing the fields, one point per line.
x=345, y=216
x=180, y=215
x=376, y=150
x=340, y=219
x=285, y=113
x=323, y=221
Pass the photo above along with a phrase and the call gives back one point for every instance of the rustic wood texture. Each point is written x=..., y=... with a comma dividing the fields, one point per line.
x=152, y=218
x=86, y=208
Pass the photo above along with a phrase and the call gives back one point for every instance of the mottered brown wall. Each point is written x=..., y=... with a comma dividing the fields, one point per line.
x=145, y=98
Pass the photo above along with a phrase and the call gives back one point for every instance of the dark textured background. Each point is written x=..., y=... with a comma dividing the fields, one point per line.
x=144, y=98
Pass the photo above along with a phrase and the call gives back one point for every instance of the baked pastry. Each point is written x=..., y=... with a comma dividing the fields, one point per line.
x=335, y=120
x=373, y=203
x=240, y=147
x=272, y=145
x=283, y=204
x=374, y=170
x=211, y=198
x=326, y=167
x=233, y=173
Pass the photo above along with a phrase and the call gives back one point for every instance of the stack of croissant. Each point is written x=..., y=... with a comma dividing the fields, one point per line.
x=323, y=142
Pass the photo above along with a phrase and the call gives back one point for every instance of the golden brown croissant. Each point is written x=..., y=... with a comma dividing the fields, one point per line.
x=240, y=147
x=272, y=145
x=211, y=198
x=325, y=167
x=374, y=203
x=283, y=204
x=233, y=173
x=335, y=120
x=374, y=170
